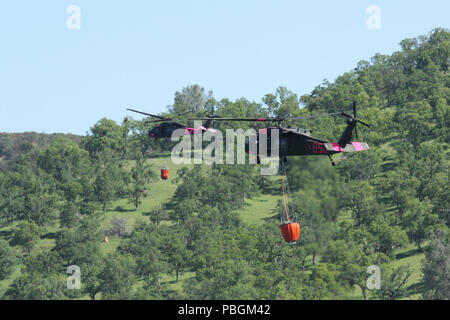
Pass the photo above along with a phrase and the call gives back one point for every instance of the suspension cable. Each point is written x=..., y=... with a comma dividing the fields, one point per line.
x=284, y=201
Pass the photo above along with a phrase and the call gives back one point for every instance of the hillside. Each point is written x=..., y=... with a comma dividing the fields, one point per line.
x=254, y=211
x=13, y=145
x=212, y=231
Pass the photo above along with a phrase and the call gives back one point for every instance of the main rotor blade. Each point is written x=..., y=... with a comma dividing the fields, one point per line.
x=347, y=115
x=147, y=114
x=315, y=116
x=270, y=119
x=362, y=122
x=233, y=119
x=357, y=120
x=354, y=116
x=159, y=120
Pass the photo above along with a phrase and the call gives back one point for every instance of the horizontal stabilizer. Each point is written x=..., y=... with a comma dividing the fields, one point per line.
x=349, y=147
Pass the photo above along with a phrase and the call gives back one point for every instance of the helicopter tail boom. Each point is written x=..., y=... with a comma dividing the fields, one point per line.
x=349, y=147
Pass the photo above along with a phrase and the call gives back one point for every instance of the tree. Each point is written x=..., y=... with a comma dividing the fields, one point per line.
x=436, y=267
x=140, y=140
x=117, y=276
x=174, y=244
x=64, y=160
x=184, y=209
x=272, y=104
x=69, y=216
x=417, y=221
x=118, y=227
x=415, y=117
x=72, y=191
x=323, y=283
x=387, y=236
x=104, y=142
x=141, y=175
x=222, y=270
x=359, y=196
x=106, y=185
x=92, y=274
x=317, y=230
x=26, y=235
x=143, y=245
x=80, y=245
x=8, y=259
x=225, y=278
x=125, y=138
x=41, y=208
x=394, y=283
x=37, y=287
x=41, y=278
x=12, y=196
x=397, y=189
x=36, y=192
x=243, y=178
x=43, y=263
x=157, y=214
x=190, y=99
x=351, y=262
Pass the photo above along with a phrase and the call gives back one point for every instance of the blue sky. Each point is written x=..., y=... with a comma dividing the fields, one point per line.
x=138, y=53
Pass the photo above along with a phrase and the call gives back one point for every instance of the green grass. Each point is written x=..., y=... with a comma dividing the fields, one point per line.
x=160, y=192
x=171, y=280
x=4, y=284
x=255, y=210
x=412, y=258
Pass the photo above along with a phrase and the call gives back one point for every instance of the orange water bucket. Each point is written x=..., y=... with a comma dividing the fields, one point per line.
x=164, y=173
x=290, y=231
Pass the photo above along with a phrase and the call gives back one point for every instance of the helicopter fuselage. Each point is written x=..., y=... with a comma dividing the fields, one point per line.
x=299, y=142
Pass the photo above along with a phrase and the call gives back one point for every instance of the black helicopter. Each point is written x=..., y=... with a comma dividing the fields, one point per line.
x=169, y=125
x=292, y=141
x=299, y=142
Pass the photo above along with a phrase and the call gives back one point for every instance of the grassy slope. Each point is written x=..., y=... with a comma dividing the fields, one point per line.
x=254, y=211
x=412, y=258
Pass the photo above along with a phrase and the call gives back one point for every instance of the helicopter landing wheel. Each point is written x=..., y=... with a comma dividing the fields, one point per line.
x=332, y=162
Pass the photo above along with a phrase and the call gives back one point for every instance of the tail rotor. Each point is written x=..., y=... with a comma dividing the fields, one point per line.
x=355, y=119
